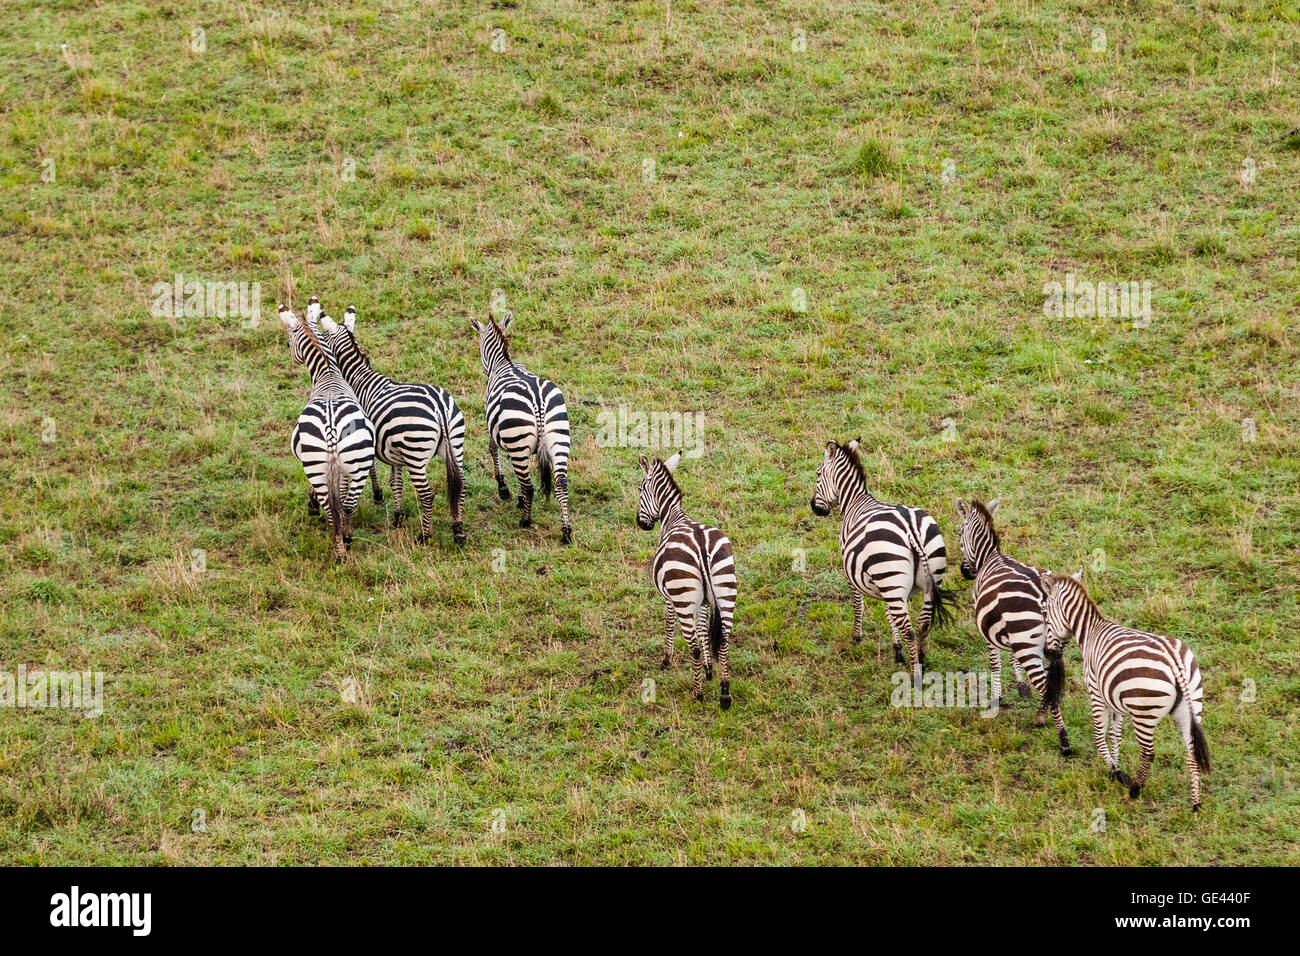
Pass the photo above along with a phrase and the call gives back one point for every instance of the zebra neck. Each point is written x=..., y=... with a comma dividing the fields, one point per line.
x=856, y=496
x=1084, y=623
x=499, y=365
x=361, y=376
x=990, y=553
x=674, y=514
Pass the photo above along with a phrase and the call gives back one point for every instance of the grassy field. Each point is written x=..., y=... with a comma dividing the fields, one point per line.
x=689, y=208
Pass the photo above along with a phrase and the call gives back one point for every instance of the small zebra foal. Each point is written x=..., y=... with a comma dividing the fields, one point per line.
x=693, y=567
x=526, y=416
x=1129, y=672
x=412, y=424
x=1008, y=609
x=332, y=438
x=889, y=552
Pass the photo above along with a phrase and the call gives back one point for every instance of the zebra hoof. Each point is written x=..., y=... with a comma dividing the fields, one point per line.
x=421, y=538
x=898, y=656
x=699, y=695
x=566, y=536
x=725, y=702
x=1196, y=808
x=1134, y=791
x=397, y=519
x=708, y=672
x=503, y=491
x=1067, y=750
x=379, y=497
x=458, y=534
x=525, y=522
x=1124, y=779
x=1026, y=692
x=665, y=664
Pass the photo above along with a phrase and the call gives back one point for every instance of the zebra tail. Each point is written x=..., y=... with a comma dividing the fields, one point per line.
x=945, y=602
x=455, y=478
x=333, y=475
x=944, y=599
x=544, y=470
x=1055, y=677
x=1200, y=746
x=715, y=628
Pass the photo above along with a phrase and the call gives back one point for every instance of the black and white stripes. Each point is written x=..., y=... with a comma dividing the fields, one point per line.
x=412, y=424
x=695, y=571
x=526, y=418
x=1126, y=671
x=889, y=551
x=1008, y=601
x=333, y=438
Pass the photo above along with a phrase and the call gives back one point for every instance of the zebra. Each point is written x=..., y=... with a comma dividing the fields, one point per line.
x=1126, y=671
x=889, y=551
x=526, y=417
x=412, y=423
x=1008, y=609
x=693, y=567
x=332, y=438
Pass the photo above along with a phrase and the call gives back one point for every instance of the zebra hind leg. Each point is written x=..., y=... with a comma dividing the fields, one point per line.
x=562, y=496
x=423, y=491
x=375, y=488
x=395, y=486
x=313, y=503
x=724, y=667
x=1147, y=745
x=901, y=623
x=1022, y=688
x=670, y=625
x=686, y=621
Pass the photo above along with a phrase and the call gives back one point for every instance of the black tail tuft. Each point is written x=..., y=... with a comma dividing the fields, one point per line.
x=455, y=479
x=945, y=603
x=715, y=629
x=1055, y=678
x=1200, y=748
x=544, y=470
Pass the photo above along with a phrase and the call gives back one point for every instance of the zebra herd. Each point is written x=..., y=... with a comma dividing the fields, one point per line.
x=355, y=416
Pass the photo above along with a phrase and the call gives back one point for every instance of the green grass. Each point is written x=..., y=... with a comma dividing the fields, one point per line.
x=668, y=286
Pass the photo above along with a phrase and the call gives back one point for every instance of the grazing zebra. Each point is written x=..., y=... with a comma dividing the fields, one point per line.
x=526, y=417
x=412, y=423
x=1126, y=672
x=333, y=438
x=890, y=551
x=692, y=567
x=1008, y=609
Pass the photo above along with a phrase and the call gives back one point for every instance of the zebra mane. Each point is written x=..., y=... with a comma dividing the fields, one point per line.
x=984, y=512
x=672, y=482
x=856, y=461
x=316, y=343
x=365, y=356
x=501, y=336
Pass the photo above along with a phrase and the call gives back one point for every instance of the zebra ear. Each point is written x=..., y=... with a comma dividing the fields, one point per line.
x=1078, y=575
x=993, y=505
x=313, y=309
x=645, y=464
x=853, y=445
x=831, y=447
x=350, y=318
x=1048, y=580
x=328, y=325
x=673, y=461
x=288, y=318
x=961, y=508
x=478, y=326
x=507, y=321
